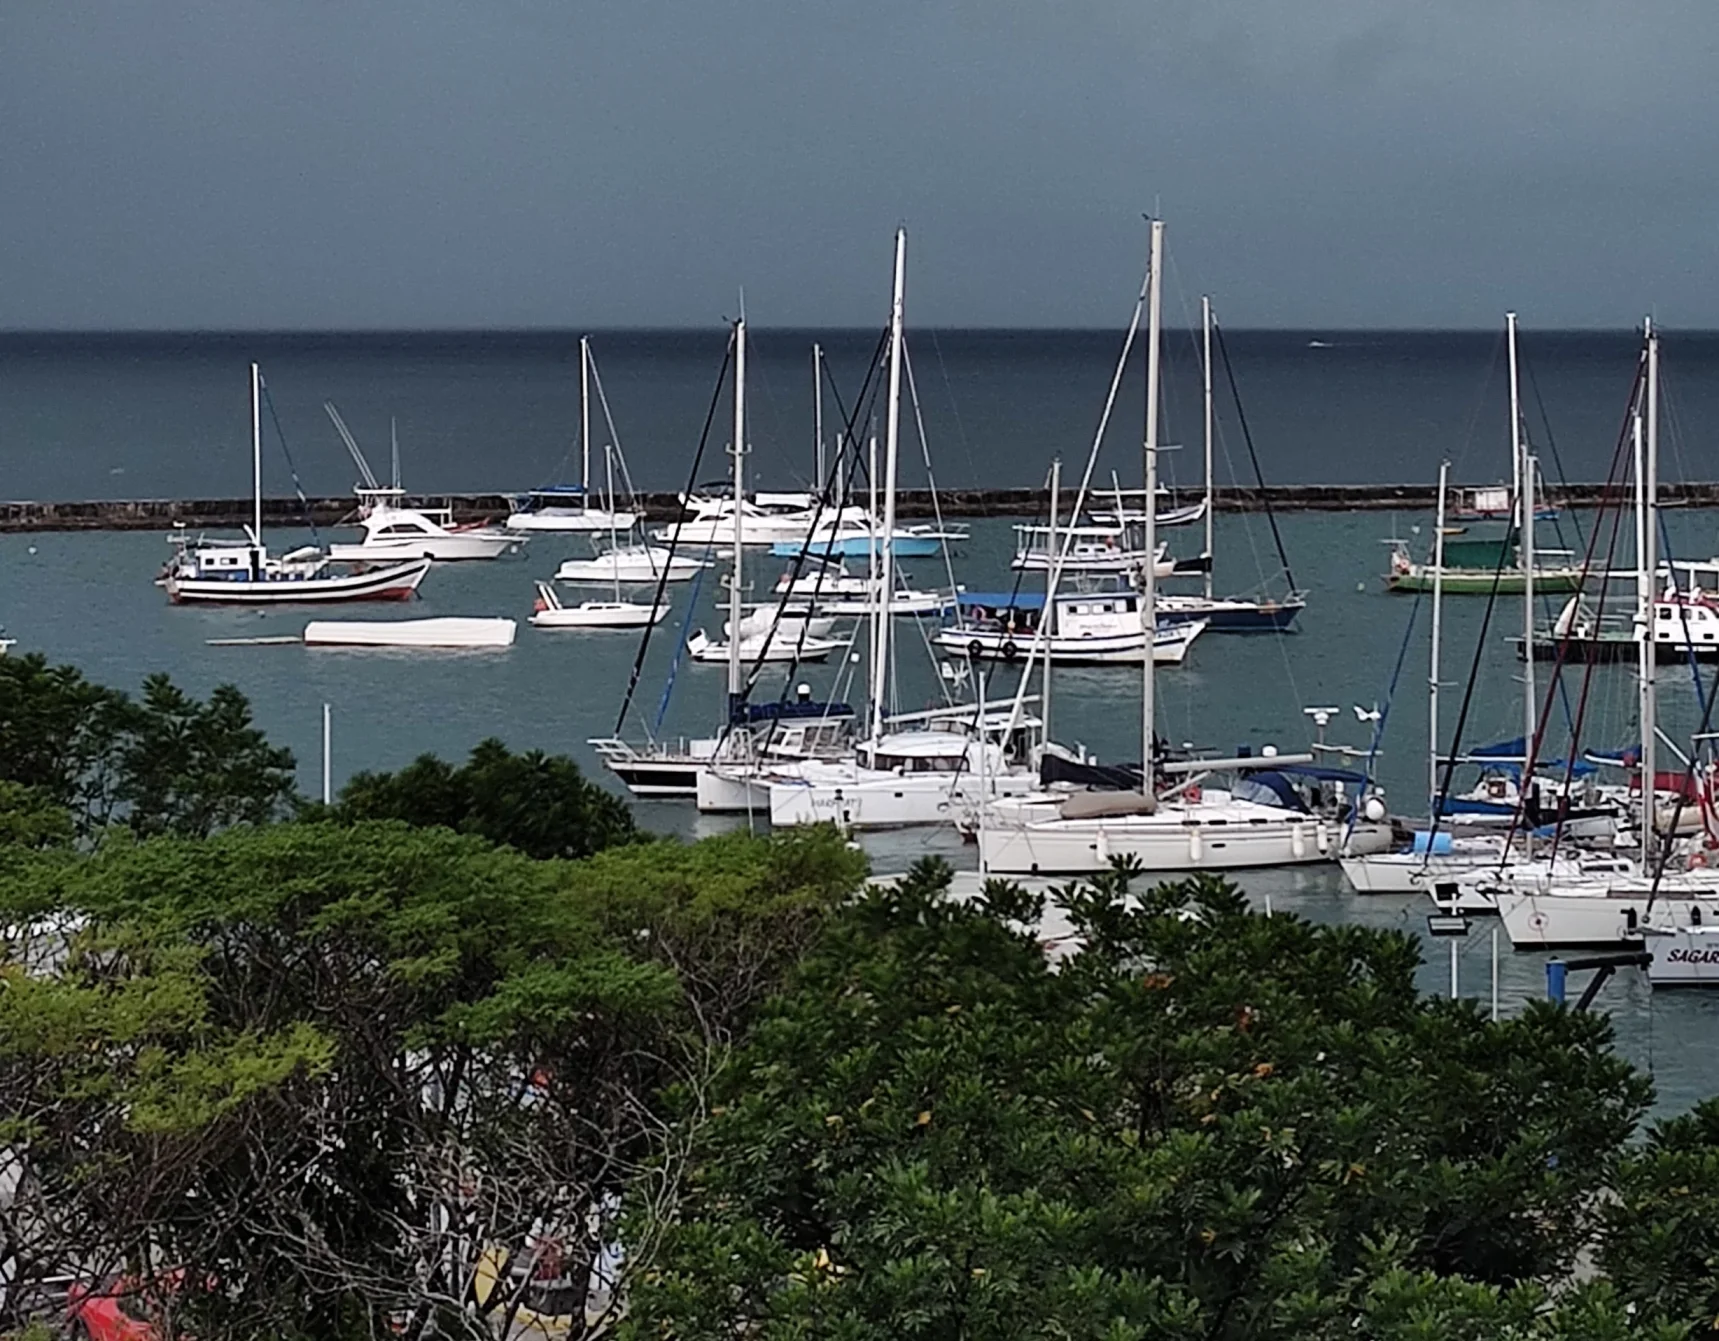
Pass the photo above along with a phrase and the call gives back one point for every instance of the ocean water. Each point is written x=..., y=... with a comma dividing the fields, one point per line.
x=168, y=416
x=140, y=417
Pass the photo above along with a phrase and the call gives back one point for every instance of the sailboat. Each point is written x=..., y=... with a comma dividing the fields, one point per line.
x=567, y=507
x=242, y=572
x=791, y=729
x=1173, y=822
x=548, y=612
x=393, y=530
x=1619, y=908
x=923, y=769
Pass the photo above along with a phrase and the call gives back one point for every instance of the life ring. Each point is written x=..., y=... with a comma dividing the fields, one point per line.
x=1010, y=651
x=1537, y=921
x=975, y=649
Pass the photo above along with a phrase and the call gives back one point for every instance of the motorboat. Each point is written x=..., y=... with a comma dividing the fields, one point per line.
x=712, y=522
x=392, y=530
x=1112, y=550
x=568, y=507
x=835, y=591
x=845, y=538
x=1685, y=956
x=1087, y=629
x=783, y=646
x=549, y=613
x=441, y=633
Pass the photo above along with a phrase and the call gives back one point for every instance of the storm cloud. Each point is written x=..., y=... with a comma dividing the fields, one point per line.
x=1349, y=163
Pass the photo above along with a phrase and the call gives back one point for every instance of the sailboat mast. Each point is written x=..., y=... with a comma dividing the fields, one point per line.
x=1149, y=583
x=1206, y=375
x=1522, y=467
x=614, y=537
x=818, y=418
x=736, y=672
x=256, y=457
x=1047, y=615
x=1648, y=580
x=1437, y=645
x=891, y=452
x=585, y=419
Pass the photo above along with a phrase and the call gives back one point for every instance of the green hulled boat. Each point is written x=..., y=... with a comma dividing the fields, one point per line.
x=1472, y=565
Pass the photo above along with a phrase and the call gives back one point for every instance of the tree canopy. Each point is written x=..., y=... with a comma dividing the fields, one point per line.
x=1202, y=1123
x=540, y=804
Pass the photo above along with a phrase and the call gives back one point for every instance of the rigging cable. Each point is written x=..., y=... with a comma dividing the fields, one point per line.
x=1252, y=455
x=292, y=469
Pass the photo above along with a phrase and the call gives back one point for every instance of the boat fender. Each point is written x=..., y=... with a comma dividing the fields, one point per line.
x=1010, y=651
x=1322, y=838
x=1297, y=841
x=1191, y=794
x=1697, y=859
x=975, y=649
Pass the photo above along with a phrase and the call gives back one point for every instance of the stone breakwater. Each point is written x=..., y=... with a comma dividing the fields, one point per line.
x=162, y=514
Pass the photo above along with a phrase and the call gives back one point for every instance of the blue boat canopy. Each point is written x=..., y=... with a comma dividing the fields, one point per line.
x=795, y=710
x=1320, y=773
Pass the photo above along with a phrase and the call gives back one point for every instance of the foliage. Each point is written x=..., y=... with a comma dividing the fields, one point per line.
x=1661, y=1246
x=30, y=818
x=167, y=763
x=331, y=1066
x=1202, y=1123
x=540, y=804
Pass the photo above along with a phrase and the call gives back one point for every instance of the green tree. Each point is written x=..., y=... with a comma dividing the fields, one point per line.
x=1201, y=1123
x=167, y=763
x=345, y=1070
x=540, y=804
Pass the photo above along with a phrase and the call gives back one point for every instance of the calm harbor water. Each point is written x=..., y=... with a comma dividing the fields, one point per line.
x=149, y=417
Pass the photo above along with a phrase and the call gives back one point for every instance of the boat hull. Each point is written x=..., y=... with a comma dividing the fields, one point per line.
x=594, y=522
x=599, y=615
x=1170, y=646
x=452, y=548
x=398, y=582
x=444, y=633
x=1686, y=957
x=1167, y=841
x=1479, y=581
x=888, y=801
x=1599, y=920
x=858, y=547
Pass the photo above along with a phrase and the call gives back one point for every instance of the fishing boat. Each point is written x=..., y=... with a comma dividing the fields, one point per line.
x=567, y=507
x=1685, y=623
x=1493, y=502
x=1477, y=567
x=548, y=612
x=243, y=572
x=443, y=633
x=1172, y=819
x=392, y=530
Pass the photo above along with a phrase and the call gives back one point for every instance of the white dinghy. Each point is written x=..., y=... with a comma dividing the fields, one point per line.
x=441, y=633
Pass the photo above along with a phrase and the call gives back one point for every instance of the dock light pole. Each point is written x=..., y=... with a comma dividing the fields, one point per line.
x=327, y=756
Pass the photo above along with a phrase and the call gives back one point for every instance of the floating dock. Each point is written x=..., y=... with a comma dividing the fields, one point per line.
x=162, y=514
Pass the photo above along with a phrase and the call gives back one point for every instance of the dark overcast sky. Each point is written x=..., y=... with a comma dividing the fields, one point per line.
x=632, y=163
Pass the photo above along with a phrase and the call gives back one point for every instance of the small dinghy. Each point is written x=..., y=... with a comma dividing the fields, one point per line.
x=549, y=613
x=447, y=632
x=781, y=647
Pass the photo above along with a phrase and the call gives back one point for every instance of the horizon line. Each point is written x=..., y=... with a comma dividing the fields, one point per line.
x=276, y=332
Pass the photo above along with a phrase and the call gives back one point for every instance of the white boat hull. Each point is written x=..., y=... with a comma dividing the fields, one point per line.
x=782, y=648
x=455, y=546
x=396, y=582
x=1173, y=839
x=870, y=800
x=599, y=615
x=728, y=790
x=1169, y=646
x=628, y=570
x=451, y=632
x=573, y=521
x=1601, y=920
x=1686, y=957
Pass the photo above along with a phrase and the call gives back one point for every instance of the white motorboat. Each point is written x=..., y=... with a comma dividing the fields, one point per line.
x=567, y=507
x=395, y=531
x=449, y=632
x=712, y=523
x=1109, y=550
x=549, y=613
x=631, y=566
x=1087, y=629
x=833, y=590
x=243, y=572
